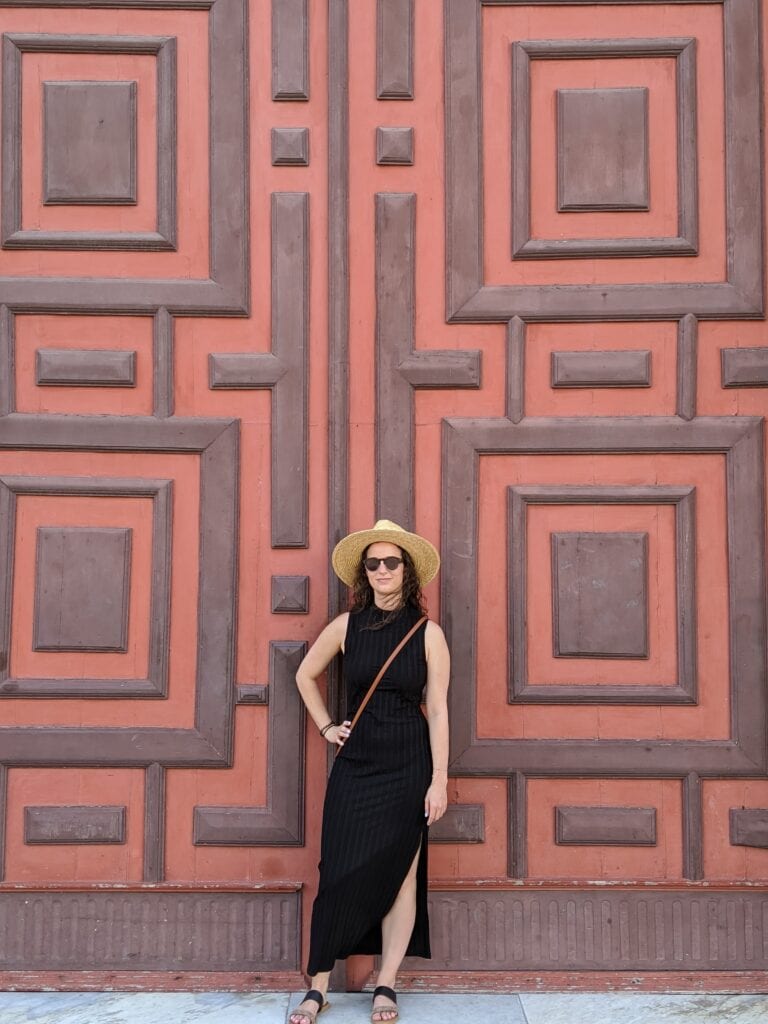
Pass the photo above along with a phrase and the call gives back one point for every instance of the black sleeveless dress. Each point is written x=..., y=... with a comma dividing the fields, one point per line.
x=373, y=816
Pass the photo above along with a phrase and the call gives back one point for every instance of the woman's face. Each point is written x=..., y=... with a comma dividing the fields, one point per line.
x=386, y=583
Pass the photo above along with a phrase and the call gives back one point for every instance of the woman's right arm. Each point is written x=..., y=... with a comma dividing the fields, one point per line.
x=318, y=657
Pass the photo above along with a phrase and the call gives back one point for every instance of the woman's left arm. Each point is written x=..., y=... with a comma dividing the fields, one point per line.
x=438, y=673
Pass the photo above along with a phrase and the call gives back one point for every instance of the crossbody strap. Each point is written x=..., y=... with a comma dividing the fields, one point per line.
x=384, y=668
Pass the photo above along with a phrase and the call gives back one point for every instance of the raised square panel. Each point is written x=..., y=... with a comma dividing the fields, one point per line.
x=90, y=367
x=290, y=594
x=78, y=824
x=614, y=369
x=602, y=149
x=81, y=589
x=89, y=132
x=600, y=595
x=394, y=145
x=290, y=146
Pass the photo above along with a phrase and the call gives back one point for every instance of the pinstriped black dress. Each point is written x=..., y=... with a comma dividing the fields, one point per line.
x=373, y=816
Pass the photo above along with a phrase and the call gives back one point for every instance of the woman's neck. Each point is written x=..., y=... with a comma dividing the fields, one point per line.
x=390, y=603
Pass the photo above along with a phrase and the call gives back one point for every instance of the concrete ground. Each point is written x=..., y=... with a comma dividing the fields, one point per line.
x=354, y=1008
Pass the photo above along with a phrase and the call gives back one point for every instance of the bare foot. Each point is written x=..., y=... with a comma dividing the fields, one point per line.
x=305, y=1012
x=383, y=1010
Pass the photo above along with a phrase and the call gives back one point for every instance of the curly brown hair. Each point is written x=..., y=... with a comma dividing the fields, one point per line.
x=362, y=591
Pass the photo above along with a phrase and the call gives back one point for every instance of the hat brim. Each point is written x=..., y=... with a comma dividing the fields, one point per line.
x=348, y=553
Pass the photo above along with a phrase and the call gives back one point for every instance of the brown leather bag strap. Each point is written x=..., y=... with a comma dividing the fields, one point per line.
x=384, y=668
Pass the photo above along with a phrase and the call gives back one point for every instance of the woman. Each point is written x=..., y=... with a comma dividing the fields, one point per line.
x=389, y=780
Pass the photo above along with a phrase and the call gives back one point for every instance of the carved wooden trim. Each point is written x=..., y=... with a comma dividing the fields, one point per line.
x=156, y=683
x=682, y=498
x=66, y=825
x=85, y=367
x=461, y=823
x=468, y=299
x=693, y=840
x=226, y=288
x=686, y=242
x=252, y=693
x=394, y=49
x=515, y=389
x=3, y=816
x=394, y=145
x=618, y=368
x=13, y=233
x=163, y=336
x=281, y=821
x=744, y=367
x=290, y=146
x=7, y=361
x=517, y=825
x=749, y=826
x=616, y=929
x=399, y=366
x=687, y=365
x=745, y=753
x=209, y=742
x=285, y=369
x=154, y=823
x=249, y=931
x=290, y=50
x=290, y=595
x=605, y=826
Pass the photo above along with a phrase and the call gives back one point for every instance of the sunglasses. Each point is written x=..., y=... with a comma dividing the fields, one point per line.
x=391, y=562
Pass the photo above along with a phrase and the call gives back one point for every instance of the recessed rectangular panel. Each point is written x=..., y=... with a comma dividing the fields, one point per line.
x=611, y=826
x=461, y=823
x=599, y=595
x=607, y=369
x=81, y=589
x=89, y=132
x=65, y=825
x=749, y=826
x=745, y=367
x=602, y=149
x=85, y=367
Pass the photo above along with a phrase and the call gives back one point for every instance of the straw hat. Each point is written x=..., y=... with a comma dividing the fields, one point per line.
x=348, y=553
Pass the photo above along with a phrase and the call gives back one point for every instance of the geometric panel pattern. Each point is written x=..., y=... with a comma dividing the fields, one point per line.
x=66, y=825
x=603, y=826
x=72, y=616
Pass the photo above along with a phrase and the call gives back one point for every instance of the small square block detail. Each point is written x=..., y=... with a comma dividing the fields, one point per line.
x=394, y=146
x=290, y=146
x=90, y=142
x=599, y=595
x=290, y=594
x=81, y=589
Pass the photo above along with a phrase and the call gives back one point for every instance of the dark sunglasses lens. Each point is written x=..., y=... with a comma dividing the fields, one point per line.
x=392, y=562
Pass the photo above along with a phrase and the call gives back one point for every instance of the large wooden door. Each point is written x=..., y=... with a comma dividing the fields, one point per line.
x=493, y=270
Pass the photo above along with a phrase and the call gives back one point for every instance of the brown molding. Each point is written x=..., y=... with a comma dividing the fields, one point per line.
x=461, y=823
x=290, y=146
x=683, y=501
x=3, y=816
x=602, y=111
x=749, y=826
x=161, y=493
x=693, y=828
x=85, y=367
x=7, y=361
x=399, y=365
x=252, y=693
x=744, y=367
x=394, y=49
x=281, y=821
x=154, y=823
x=285, y=369
x=587, y=626
x=515, y=363
x=69, y=98
x=252, y=931
x=215, y=441
x=12, y=231
x=290, y=50
x=290, y=595
x=163, y=338
x=687, y=366
x=605, y=826
x=745, y=752
x=517, y=825
x=469, y=299
x=686, y=241
x=615, y=368
x=81, y=824
x=226, y=288
x=394, y=145
x=82, y=588
x=552, y=930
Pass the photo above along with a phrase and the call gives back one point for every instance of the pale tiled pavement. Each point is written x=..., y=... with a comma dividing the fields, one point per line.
x=354, y=1008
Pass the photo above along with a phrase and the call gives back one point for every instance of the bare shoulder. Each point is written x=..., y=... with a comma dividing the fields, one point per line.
x=434, y=638
x=338, y=627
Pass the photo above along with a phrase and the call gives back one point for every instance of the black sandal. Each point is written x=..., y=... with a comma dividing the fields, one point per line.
x=383, y=990
x=311, y=1015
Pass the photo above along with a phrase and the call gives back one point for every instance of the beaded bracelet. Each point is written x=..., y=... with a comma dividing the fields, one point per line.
x=325, y=728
